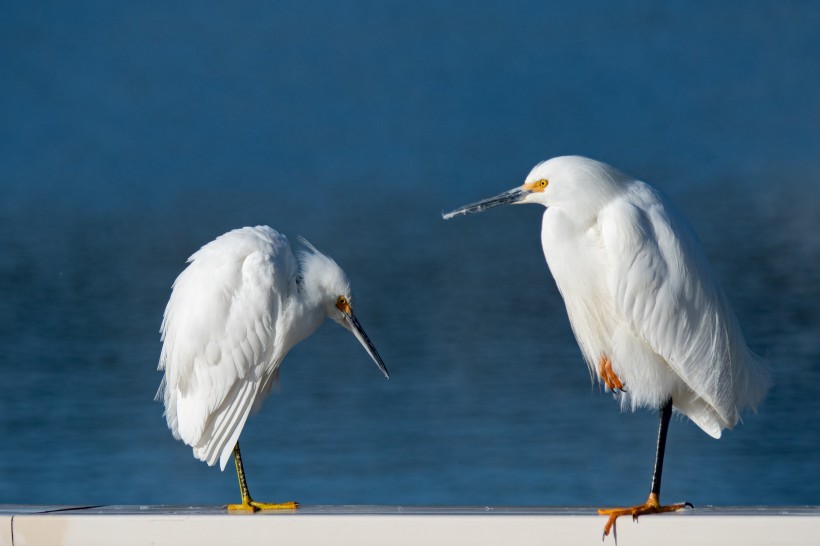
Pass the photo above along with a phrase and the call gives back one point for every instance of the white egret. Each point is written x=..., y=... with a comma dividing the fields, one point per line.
x=234, y=313
x=651, y=320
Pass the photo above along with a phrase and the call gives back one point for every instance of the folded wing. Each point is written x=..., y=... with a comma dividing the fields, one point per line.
x=667, y=293
x=219, y=337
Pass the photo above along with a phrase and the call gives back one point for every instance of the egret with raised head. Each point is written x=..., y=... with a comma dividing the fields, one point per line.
x=241, y=304
x=651, y=320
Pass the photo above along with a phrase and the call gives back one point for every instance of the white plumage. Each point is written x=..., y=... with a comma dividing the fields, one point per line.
x=234, y=313
x=641, y=297
x=639, y=290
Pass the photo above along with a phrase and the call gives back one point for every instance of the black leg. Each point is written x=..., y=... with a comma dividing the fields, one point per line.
x=652, y=504
x=666, y=415
x=248, y=504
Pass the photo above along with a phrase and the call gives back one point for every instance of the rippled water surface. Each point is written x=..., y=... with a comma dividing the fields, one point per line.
x=133, y=134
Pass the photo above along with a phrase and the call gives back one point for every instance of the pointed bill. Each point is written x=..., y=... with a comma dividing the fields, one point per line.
x=357, y=330
x=507, y=198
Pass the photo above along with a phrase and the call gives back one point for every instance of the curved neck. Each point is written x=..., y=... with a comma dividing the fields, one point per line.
x=303, y=313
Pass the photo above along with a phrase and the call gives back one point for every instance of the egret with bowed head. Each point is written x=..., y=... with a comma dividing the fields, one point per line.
x=651, y=320
x=241, y=304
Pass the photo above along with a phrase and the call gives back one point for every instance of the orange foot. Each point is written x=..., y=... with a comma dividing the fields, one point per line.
x=611, y=380
x=651, y=506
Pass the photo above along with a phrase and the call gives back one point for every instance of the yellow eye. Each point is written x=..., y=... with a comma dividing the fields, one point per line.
x=341, y=301
x=542, y=183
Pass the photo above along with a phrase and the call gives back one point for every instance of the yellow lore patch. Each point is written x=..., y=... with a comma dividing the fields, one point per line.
x=537, y=186
x=343, y=305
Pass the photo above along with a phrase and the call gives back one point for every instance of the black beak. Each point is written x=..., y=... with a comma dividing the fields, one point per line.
x=357, y=330
x=507, y=198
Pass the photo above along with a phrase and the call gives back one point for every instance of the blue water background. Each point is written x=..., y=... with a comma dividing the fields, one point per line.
x=134, y=132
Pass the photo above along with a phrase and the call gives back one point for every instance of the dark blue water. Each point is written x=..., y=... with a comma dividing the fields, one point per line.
x=133, y=133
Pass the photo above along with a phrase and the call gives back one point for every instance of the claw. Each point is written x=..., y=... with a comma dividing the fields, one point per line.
x=610, y=525
x=651, y=506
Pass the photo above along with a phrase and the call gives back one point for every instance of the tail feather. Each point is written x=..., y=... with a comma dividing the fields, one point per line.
x=225, y=424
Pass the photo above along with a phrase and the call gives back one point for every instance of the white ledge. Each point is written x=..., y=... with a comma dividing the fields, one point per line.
x=401, y=525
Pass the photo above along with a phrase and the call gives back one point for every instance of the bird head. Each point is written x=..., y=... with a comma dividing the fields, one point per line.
x=344, y=315
x=328, y=286
x=571, y=181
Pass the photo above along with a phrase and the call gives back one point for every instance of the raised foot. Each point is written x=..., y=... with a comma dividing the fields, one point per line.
x=609, y=377
x=651, y=506
x=253, y=506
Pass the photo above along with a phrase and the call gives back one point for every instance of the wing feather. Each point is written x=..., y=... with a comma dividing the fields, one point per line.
x=665, y=289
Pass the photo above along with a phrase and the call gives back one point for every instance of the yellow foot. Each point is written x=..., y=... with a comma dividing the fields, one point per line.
x=608, y=375
x=651, y=506
x=253, y=506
